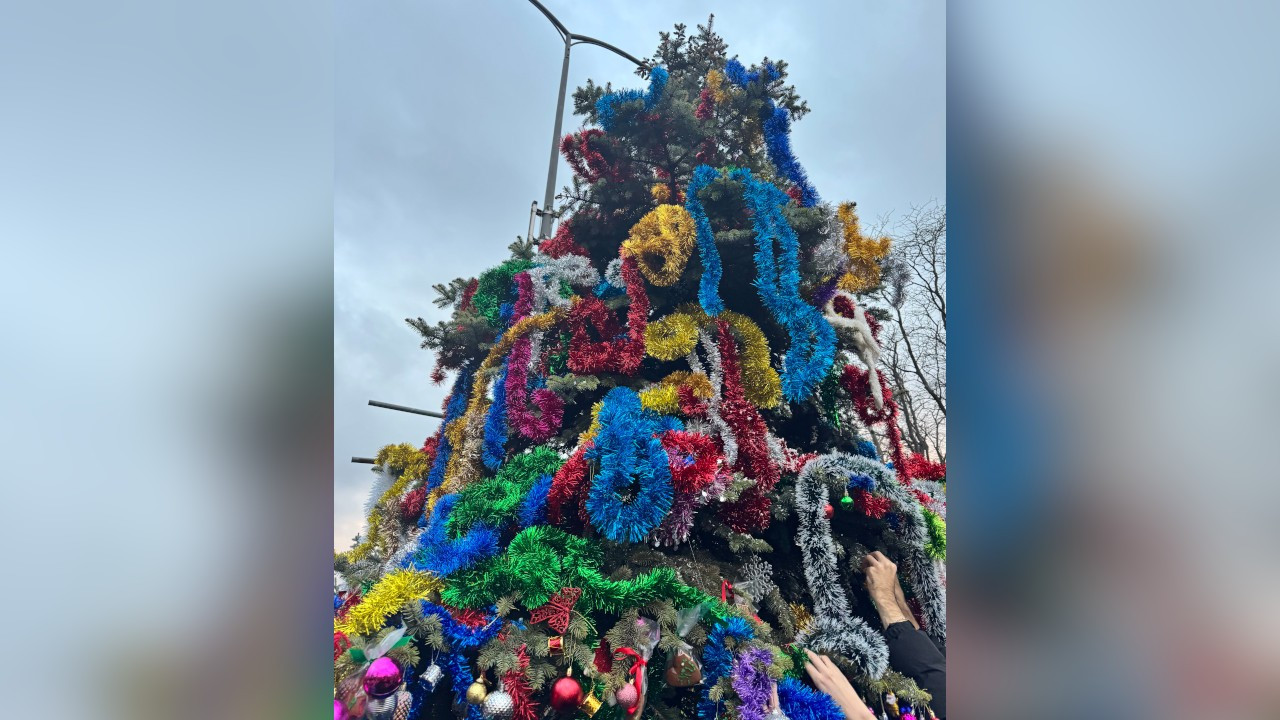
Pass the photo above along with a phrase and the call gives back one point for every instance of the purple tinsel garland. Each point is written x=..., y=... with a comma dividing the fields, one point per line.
x=752, y=683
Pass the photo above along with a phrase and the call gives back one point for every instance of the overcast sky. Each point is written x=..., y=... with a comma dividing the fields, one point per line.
x=443, y=114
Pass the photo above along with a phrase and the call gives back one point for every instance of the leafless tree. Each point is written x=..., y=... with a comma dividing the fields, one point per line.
x=914, y=340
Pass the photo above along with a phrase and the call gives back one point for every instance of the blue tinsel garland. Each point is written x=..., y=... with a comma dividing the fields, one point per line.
x=867, y=449
x=440, y=554
x=629, y=454
x=608, y=103
x=495, y=424
x=533, y=511
x=456, y=407
x=813, y=341
x=717, y=661
x=709, y=285
x=777, y=131
x=801, y=702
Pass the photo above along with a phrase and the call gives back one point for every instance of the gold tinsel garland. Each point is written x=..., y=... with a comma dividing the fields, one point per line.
x=760, y=381
x=864, y=253
x=674, y=336
x=387, y=597
x=664, y=397
x=715, y=83
x=412, y=465
x=661, y=243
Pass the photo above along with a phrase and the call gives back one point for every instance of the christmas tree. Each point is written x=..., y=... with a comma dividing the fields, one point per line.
x=655, y=476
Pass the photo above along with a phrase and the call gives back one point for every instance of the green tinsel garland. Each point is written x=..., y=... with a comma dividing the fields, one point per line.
x=495, y=288
x=498, y=498
x=937, y=546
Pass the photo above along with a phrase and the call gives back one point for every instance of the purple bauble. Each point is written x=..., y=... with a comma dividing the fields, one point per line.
x=382, y=678
x=339, y=712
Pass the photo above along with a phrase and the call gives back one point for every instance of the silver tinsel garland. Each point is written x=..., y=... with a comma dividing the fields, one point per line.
x=550, y=272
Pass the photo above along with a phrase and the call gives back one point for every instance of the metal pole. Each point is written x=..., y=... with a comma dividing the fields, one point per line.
x=366, y=461
x=548, y=198
x=403, y=408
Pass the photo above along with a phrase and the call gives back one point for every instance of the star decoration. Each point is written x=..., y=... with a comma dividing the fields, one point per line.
x=556, y=611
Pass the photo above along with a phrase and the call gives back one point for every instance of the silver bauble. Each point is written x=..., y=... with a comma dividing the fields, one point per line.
x=382, y=708
x=498, y=705
x=432, y=675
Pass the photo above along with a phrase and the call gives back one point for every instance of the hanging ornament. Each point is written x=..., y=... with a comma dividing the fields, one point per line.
x=556, y=611
x=846, y=502
x=907, y=714
x=391, y=707
x=627, y=696
x=682, y=668
x=382, y=678
x=566, y=695
x=432, y=675
x=776, y=714
x=339, y=712
x=828, y=511
x=892, y=701
x=590, y=705
x=498, y=704
x=477, y=692
x=555, y=645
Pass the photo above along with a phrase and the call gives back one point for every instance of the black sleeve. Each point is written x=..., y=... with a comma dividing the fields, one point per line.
x=913, y=654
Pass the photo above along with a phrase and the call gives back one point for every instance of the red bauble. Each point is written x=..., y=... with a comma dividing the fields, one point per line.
x=828, y=511
x=566, y=695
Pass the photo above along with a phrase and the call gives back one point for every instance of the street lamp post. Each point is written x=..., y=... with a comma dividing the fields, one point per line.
x=570, y=39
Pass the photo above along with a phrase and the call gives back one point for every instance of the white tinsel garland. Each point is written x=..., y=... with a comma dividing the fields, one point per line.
x=550, y=272
x=864, y=343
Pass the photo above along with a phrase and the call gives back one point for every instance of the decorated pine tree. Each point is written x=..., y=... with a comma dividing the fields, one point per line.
x=655, y=477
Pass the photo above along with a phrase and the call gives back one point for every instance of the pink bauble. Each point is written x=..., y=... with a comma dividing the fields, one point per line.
x=339, y=712
x=382, y=678
x=627, y=696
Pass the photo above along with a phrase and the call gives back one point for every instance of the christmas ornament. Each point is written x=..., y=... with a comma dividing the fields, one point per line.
x=892, y=701
x=498, y=704
x=391, y=707
x=339, y=712
x=907, y=714
x=382, y=678
x=828, y=511
x=682, y=669
x=627, y=696
x=555, y=645
x=846, y=502
x=476, y=693
x=776, y=714
x=590, y=705
x=404, y=701
x=432, y=675
x=566, y=695
x=557, y=610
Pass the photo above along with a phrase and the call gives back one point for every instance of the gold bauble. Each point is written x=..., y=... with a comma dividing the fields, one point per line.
x=477, y=693
x=590, y=704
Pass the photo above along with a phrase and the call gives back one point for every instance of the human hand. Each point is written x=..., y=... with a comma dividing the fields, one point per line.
x=828, y=678
x=882, y=584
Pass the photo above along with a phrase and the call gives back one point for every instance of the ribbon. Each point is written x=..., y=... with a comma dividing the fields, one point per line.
x=636, y=667
x=726, y=592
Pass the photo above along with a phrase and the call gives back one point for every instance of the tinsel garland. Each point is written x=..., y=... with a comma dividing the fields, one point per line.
x=858, y=384
x=750, y=513
x=495, y=288
x=606, y=106
x=630, y=456
x=562, y=244
x=661, y=243
x=678, y=523
x=455, y=408
x=937, y=547
x=496, y=501
x=865, y=254
x=461, y=468
x=495, y=423
x=459, y=635
x=387, y=596
x=542, y=559
x=411, y=463
x=671, y=337
x=664, y=396
x=760, y=381
x=777, y=131
x=567, y=483
x=777, y=256
x=818, y=552
x=801, y=702
x=551, y=274
x=442, y=555
x=587, y=161
x=752, y=683
x=708, y=253
x=517, y=686
x=717, y=661
x=539, y=425
x=624, y=355
x=694, y=460
x=533, y=511
x=715, y=372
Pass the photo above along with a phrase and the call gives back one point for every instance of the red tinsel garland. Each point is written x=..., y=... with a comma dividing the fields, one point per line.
x=468, y=293
x=545, y=422
x=341, y=643
x=750, y=431
x=517, y=686
x=706, y=105
x=857, y=382
x=567, y=483
x=469, y=617
x=922, y=468
x=562, y=243
x=694, y=458
x=411, y=504
x=873, y=506
x=582, y=150
x=622, y=355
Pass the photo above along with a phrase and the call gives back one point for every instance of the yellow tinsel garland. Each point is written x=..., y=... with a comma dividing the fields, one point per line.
x=387, y=597
x=661, y=243
x=760, y=382
x=412, y=465
x=664, y=397
x=864, y=253
x=715, y=82
x=671, y=337
x=660, y=192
